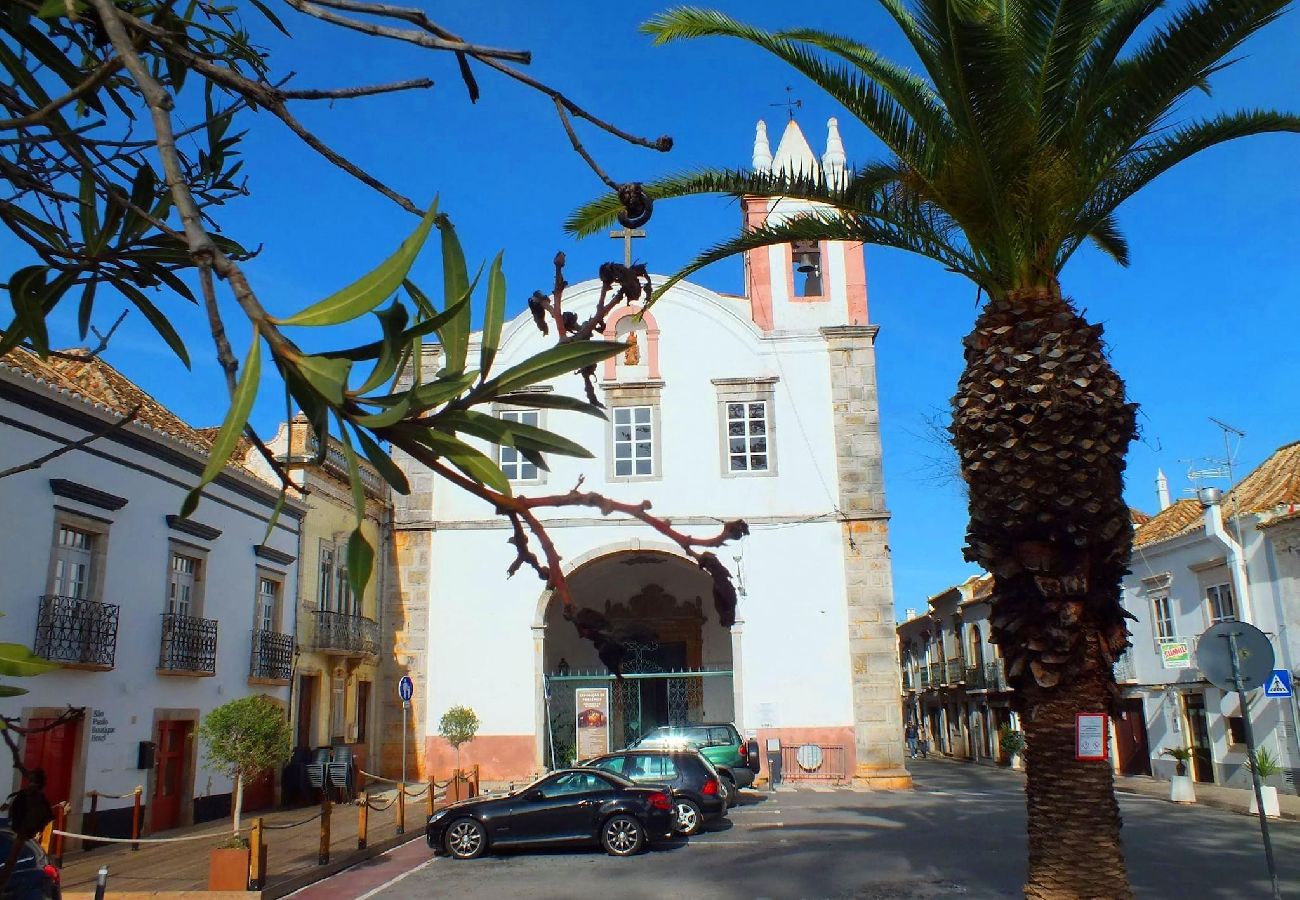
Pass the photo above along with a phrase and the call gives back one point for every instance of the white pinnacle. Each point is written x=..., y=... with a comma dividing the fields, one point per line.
x=833, y=160
x=762, y=150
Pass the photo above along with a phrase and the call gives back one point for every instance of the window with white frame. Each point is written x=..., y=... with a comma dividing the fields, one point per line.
x=512, y=462
x=183, y=585
x=1222, y=607
x=633, y=441
x=268, y=599
x=73, y=563
x=346, y=602
x=747, y=435
x=325, y=586
x=1162, y=618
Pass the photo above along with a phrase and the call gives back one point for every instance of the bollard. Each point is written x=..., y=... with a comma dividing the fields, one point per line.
x=256, y=857
x=429, y=802
x=60, y=824
x=401, y=808
x=363, y=820
x=477, y=788
x=453, y=789
x=101, y=883
x=135, y=820
x=47, y=837
x=323, y=857
x=92, y=820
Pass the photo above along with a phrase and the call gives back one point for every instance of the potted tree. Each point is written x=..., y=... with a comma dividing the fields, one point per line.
x=458, y=726
x=1266, y=765
x=243, y=738
x=1012, y=743
x=1181, y=788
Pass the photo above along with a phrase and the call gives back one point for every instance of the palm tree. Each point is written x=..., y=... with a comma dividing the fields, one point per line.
x=1033, y=120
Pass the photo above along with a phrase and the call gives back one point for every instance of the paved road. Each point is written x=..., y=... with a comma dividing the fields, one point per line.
x=960, y=833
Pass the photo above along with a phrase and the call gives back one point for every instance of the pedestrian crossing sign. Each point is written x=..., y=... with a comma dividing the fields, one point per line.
x=1278, y=684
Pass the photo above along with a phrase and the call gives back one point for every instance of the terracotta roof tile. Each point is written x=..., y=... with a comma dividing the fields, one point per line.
x=1137, y=516
x=1174, y=520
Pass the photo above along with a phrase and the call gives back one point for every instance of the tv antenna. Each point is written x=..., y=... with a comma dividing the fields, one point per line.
x=1228, y=455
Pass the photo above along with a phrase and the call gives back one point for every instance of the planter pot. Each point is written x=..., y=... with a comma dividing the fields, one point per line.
x=1181, y=789
x=1017, y=761
x=1271, y=808
x=228, y=870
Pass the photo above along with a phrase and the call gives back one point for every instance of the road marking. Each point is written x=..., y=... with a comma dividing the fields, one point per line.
x=774, y=812
x=392, y=881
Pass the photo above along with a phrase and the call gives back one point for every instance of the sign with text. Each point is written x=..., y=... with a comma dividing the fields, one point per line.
x=1176, y=654
x=1091, y=736
x=592, y=717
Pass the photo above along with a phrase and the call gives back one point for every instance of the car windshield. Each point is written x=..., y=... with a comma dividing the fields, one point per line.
x=617, y=779
x=686, y=736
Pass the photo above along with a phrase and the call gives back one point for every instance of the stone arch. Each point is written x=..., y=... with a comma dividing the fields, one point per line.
x=650, y=352
x=591, y=556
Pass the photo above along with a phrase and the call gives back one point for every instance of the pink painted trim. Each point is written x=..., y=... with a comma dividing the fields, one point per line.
x=855, y=277
x=759, y=266
x=652, y=341
x=823, y=247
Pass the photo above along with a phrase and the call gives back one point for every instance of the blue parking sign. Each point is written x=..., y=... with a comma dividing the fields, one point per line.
x=1278, y=684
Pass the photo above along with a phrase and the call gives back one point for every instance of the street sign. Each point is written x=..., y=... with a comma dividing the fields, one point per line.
x=405, y=688
x=1254, y=662
x=1279, y=684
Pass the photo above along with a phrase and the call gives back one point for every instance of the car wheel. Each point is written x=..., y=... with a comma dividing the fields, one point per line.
x=622, y=836
x=729, y=791
x=687, y=816
x=465, y=839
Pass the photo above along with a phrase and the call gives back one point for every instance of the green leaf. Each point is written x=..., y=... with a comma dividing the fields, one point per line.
x=86, y=306
x=25, y=289
x=454, y=334
x=502, y=431
x=472, y=462
x=8, y=690
x=392, y=321
x=354, y=475
x=554, y=401
x=275, y=513
x=390, y=416
x=433, y=393
x=494, y=316
x=328, y=376
x=18, y=661
x=558, y=360
x=159, y=322
x=361, y=560
x=384, y=463
x=88, y=213
x=142, y=195
x=371, y=289
x=241, y=404
x=419, y=330
x=271, y=17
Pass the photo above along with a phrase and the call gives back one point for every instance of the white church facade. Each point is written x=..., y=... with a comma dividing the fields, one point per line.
x=760, y=407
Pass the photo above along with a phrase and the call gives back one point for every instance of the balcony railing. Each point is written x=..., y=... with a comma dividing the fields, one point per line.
x=77, y=632
x=1124, y=670
x=956, y=670
x=975, y=680
x=995, y=676
x=924, y=678
x=936, y=674
x=189, y=645
x=272, y=656
x=346, y=635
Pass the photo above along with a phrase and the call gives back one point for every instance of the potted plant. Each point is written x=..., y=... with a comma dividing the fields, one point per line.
x=458, y=726
x=244, y=738
x=1265, y=764
x=1012, y=743
x=1181, y=789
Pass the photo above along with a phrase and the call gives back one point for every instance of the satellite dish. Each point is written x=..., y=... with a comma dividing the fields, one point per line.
x=1254, y=656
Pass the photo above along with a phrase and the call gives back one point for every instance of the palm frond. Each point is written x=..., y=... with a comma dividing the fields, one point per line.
x=1110, y=240
x=1056, y=35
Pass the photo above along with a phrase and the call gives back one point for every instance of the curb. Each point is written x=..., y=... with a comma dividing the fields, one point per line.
x=320, y=873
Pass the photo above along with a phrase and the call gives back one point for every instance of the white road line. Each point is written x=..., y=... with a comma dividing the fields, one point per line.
x=392, y=881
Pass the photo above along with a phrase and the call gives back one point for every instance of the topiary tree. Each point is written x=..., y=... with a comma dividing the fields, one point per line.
x=458, y=726
x=244, y=738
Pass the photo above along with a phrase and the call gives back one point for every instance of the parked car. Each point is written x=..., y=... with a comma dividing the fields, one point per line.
x=695, y=783
x=720, y=743
x=35, y=877
x=571, y=806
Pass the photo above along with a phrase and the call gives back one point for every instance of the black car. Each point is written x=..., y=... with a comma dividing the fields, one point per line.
x=34, y=877
x=571, y=806
x=695, y=783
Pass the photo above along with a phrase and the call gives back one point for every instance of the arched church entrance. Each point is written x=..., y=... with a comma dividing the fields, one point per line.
x=676, y=660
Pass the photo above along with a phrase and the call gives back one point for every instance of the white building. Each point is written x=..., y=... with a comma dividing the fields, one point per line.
x=761, y=407
x=156, y=619
x=1194, y=565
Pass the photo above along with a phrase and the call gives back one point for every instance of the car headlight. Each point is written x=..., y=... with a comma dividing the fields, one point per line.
x=438, y=815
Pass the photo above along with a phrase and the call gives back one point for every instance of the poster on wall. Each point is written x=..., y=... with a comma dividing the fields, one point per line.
x=1091, y=736
x=592, y=717
x=1176, y=654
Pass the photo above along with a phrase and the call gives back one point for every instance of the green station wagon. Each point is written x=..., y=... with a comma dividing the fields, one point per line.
x=719, y=742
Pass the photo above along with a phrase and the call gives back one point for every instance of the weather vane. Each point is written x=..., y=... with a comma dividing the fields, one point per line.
x=790, y=103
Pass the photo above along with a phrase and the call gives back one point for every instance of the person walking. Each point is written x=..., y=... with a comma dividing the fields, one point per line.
x=910, y=733
x=923, y=741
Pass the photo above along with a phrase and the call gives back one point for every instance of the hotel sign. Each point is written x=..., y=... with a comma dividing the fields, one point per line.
x=1176, y=654
x=592, y=718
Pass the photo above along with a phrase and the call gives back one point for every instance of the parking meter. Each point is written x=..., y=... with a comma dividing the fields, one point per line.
x=773, y=763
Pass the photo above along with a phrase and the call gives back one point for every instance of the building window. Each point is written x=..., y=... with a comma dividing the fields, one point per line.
x=747, y=436
x=363, y=709
x=268, y=599
x=633, y=441
x=512, y=462
x=325, y=588
x=338, y=700
x=343, y=591
x=1236, y=730
x=73, y=558
x=1221, y=605
x=183, y=585
x=1163, y=619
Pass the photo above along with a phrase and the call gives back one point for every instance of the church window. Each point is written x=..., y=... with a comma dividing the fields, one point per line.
x=513, y=464
x=633, y=440
x=806, y=261
x=745, y=415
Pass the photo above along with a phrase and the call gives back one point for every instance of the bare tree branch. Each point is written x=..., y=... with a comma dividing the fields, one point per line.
x=363, y=91
x=75, y=445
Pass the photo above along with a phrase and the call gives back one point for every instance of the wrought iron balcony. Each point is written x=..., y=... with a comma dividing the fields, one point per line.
x=995, y=676
x=78, y=633
x=907, y=681
x=975, y=680
x=189, y=645
x=345, y=635
x=925, y=678
x=936, y=674
x=272, y=656
x=956, y=670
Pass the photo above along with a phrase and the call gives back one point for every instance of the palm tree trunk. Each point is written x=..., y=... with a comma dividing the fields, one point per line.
x=1042, y=426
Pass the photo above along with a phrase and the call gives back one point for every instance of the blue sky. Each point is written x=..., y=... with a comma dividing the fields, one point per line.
x=1203, y=323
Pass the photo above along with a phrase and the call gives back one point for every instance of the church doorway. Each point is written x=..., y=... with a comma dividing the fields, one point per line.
x=676, y=659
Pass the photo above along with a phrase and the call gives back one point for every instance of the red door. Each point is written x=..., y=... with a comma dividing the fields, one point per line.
x=52, y=751
x=171, y=759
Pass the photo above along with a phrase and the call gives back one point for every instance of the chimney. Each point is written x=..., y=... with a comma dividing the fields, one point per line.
x=1162, y=489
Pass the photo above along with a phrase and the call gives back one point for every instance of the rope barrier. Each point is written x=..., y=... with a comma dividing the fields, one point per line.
x=377, y=777
x=130, y=796
x=372, y=805
x=266, y=827
x=111, y=840
x=420, y=793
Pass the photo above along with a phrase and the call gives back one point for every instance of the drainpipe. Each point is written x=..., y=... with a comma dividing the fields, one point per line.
x=1211, y=499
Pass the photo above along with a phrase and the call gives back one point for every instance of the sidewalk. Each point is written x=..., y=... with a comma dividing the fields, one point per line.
x=1215, y=796
x=291, y=853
